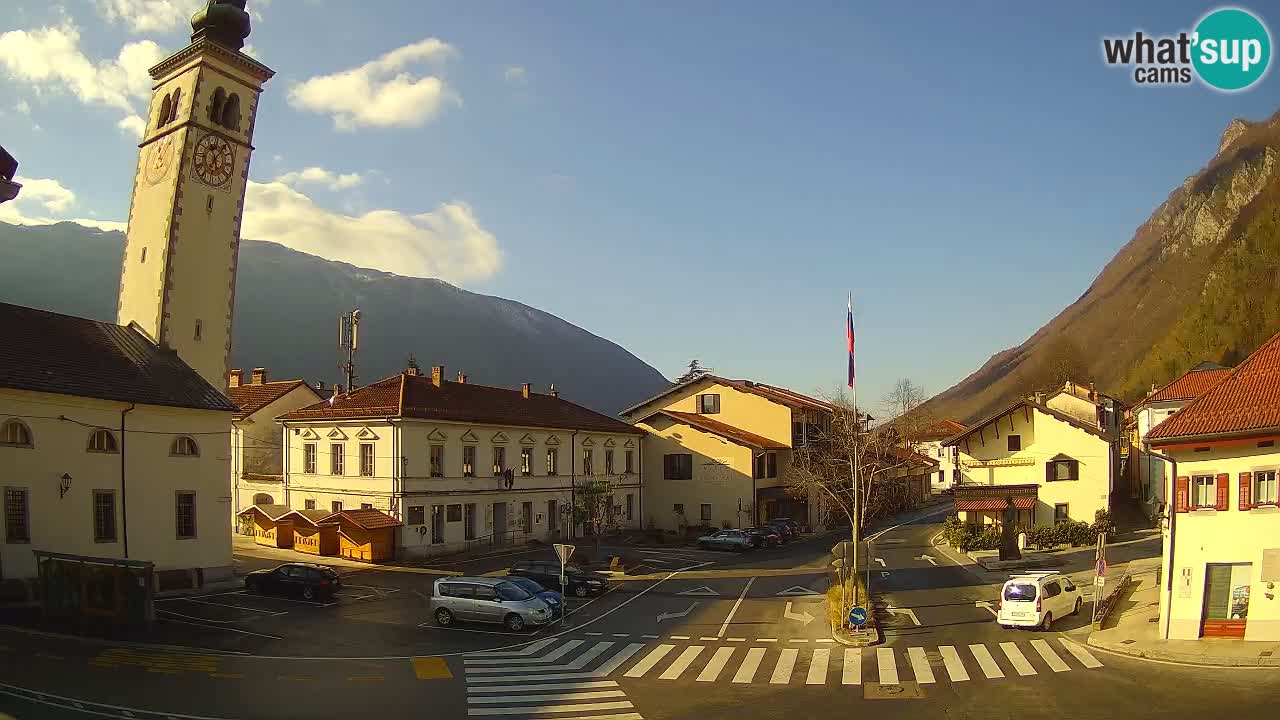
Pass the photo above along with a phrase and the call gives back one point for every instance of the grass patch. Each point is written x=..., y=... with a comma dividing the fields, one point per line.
x=840, y=603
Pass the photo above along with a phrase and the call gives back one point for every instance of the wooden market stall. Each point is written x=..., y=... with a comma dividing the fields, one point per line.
x=311, y=534
x=365, y=534
x=271, y=526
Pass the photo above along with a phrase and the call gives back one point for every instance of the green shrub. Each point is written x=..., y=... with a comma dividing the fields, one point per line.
x=1102, y=523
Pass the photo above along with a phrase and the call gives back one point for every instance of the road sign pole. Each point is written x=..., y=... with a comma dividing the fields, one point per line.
x=564, y=552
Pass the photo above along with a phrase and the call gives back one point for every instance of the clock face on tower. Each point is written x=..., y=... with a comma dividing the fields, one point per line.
x=157, y=162
x=214, y=160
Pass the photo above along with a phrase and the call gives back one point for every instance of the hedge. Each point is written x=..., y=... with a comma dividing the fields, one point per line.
x=1068, y=532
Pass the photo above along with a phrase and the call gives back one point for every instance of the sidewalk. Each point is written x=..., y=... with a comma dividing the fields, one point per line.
x=1134, y=628
x=243, y=546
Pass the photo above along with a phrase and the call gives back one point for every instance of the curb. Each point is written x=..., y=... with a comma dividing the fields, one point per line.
x=1177, y=659
x=876, y=639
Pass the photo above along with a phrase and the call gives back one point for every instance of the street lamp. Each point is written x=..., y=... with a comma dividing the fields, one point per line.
x=64, y=486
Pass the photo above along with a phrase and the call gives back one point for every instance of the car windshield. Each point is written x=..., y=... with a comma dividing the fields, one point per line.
x=526, y=584
x=511, y=591
x=1019, y=591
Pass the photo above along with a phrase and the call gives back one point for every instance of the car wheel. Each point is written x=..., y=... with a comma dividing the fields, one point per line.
x=514, y=623
x=1047, y=624
x=704, y=546
x=1079, y=602
x=444, y=617
x=308, y=593
x=581, y=591
x=252, y=586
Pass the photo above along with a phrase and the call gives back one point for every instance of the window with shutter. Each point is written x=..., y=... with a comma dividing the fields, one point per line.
x=1224, y=492
x=1182, y=494
x=1246, y=487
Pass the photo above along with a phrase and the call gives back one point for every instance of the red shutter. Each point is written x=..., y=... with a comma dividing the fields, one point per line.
x=1246, y=485
x=1182, y=495
x=1224, y=492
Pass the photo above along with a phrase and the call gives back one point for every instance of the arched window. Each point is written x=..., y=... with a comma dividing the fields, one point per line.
x=184, y=445
x=177, y=103
x=263, y=499
x=231, y=113
x=215, y=106
x=166, y=107
x=15, y=433
x=102, y=441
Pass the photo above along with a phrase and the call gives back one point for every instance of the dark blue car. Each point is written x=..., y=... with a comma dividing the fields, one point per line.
x=552, y=598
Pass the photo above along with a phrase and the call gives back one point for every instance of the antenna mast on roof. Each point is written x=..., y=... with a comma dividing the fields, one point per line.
x=348, y=344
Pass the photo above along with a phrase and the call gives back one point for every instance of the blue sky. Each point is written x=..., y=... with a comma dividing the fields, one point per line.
x=687, y=179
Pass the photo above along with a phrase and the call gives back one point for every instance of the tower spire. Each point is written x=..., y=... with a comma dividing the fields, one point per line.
x=221, y=21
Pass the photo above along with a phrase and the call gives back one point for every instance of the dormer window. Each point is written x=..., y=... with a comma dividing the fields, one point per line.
x=184, y=446
x=15, y=433
x=102, y=441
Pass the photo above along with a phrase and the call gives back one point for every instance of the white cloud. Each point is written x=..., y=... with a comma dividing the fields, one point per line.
x=321, y=176
x=147, y=15
x=250, y=50
x=44, y=201
x=23, y=107
x=389, y=91
x=447, y=243
x=49, y=60
x=515, y=75
x=133, y=125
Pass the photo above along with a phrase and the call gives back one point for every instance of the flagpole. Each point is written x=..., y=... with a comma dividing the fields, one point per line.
x=853, y=467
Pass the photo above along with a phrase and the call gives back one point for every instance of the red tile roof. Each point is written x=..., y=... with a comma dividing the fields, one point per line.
x=53, y=353
x=1246, y=401
x=911, y=455
x=415, y=396
x=1041, y=407
x=724, y=430
x=772, y=392
x=995, y=497
x=941, y=430
x=252, y=398
x=1189, y=386
x=310, y=517
x=365, y=518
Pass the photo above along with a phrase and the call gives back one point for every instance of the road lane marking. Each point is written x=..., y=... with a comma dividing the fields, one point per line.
x=782, y=671
x=888, y=667
x=735, y=639
x=227, y=676
x=716, y=664
x=1084, y=656
x=680, y=637
x=533, y=709
x=621, y=635
x=724, y=627
x=1017, y=658
x=552, y=656
x=530, y=650
x=593, y=634
x=650, y=637
x=852, y=667
x=366, y=678
x=682, y=663
x=920, y=665
x=431, y=668
x=799, y=640
x=824, y=640
x=228, y=629
x=951, y=659
x=766, y=639
x=747, y=669
x=584, y=685
x=818, y=667
x=1049, y=656
x=709, y=638
x=986, y=662
x=653, y=658
x=585, y=658
x=616, y=661
x=548, y=697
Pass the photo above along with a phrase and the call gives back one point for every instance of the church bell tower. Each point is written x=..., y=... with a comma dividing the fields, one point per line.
x=178, y=277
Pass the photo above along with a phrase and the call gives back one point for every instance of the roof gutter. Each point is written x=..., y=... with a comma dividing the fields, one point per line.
x=1242, y=435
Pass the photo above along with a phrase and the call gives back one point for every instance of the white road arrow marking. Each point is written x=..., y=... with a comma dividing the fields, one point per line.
x=905, y=611
x=881, y=561
x=796, y=590
x=669, y=616
x=987, y=605
x=884, y=574
x=701, y=591
x=803, y=617
x=928, y=557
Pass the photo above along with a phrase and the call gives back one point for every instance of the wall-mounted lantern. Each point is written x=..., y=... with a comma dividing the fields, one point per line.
x=64, y=485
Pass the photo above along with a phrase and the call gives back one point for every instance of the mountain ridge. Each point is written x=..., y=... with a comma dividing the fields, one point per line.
x=288, y=302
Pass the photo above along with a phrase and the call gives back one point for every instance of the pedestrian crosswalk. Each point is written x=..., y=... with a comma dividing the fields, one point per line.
x=555, y=676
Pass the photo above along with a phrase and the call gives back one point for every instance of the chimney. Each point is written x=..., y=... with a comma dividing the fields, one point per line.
x=462, y=379
x=1093, y=392
x=1037, y=397
x=554, y=392
x=320, y=385
x=259, y=376
x=236, y=378
x=412, y=371
x=524, y=390
x=437, y=375
x=337, y=390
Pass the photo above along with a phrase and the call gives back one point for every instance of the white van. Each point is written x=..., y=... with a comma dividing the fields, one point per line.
x=1037, y=599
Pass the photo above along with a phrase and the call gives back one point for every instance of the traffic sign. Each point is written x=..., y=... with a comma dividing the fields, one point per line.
x=1102, y=567
x=564, y=552
x=858, y=617
x=842, y=549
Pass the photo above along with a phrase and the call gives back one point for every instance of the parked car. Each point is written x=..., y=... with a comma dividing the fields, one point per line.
x=784, y=529
x=494, y=600
x=578, y=582
x=311, y=581
x=553, y=599
x=735, y=540
x=1037, y=599
x=793, y=524
x=769, y=536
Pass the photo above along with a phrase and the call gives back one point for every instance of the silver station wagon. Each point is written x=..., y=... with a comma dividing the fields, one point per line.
x=487, y=600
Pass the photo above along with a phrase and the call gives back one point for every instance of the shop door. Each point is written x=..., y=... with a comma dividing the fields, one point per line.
x=526, y=517
x=499, y=523
x=1226, y=599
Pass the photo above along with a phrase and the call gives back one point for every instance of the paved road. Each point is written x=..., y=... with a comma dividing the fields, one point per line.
x=742, y=637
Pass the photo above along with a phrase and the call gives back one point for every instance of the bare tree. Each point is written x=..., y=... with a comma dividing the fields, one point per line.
x=594, y=507
x=903, y=405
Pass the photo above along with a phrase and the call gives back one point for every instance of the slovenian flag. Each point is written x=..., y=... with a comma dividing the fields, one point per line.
x=849, y=337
